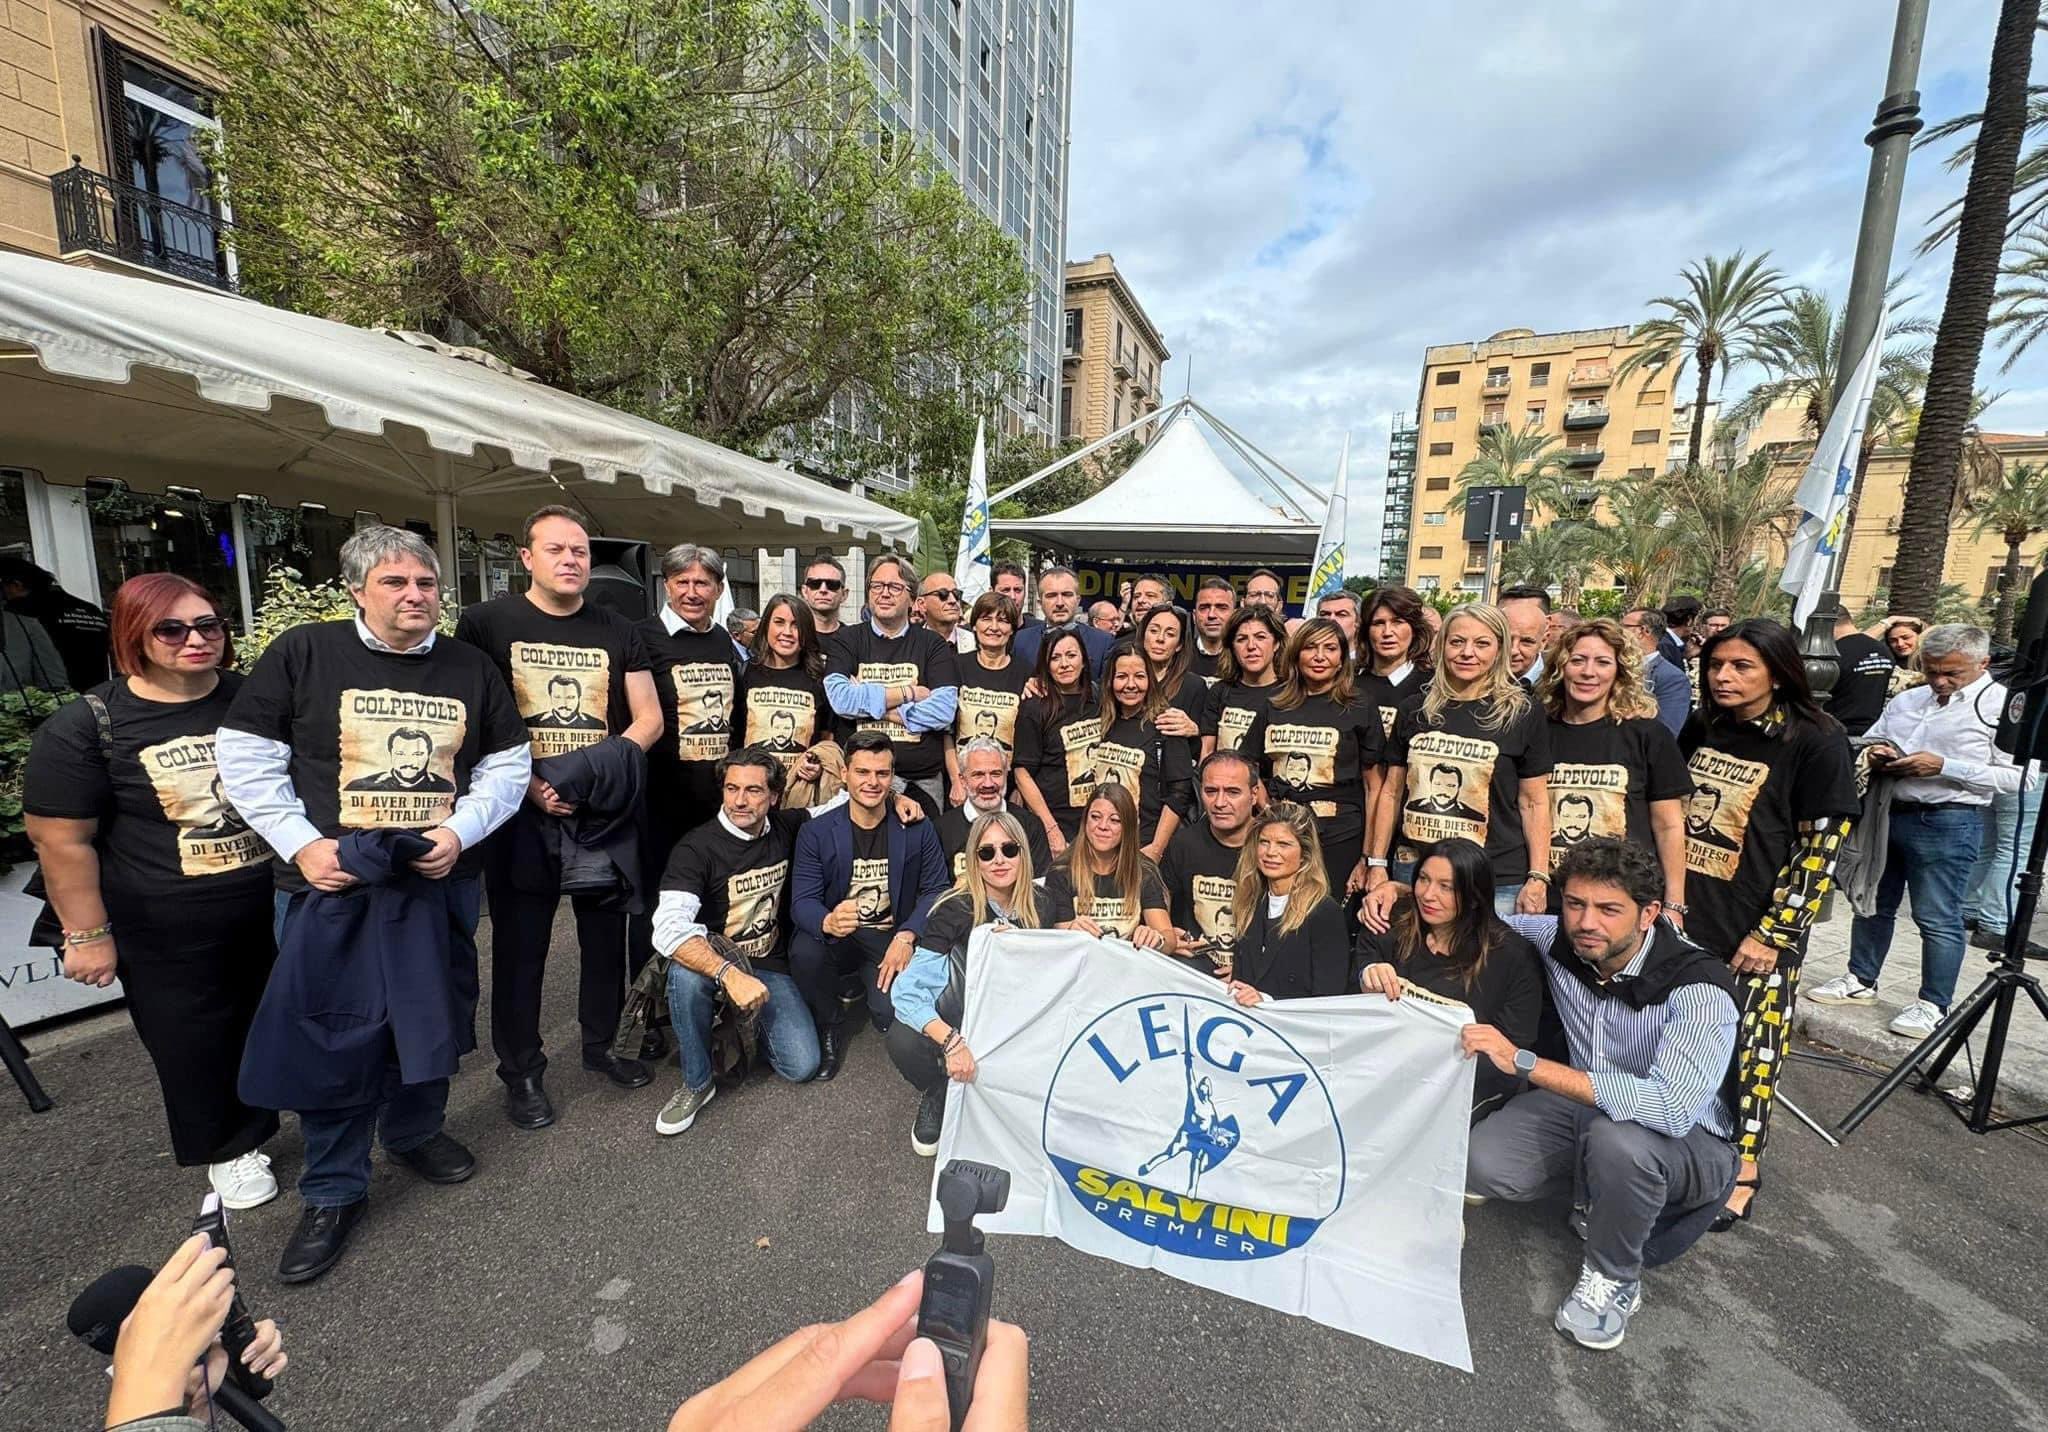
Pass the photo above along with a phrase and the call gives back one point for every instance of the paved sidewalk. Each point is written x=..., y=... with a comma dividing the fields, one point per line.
x=1860, y=1029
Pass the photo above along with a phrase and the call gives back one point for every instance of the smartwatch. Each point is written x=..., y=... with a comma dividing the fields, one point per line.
x=1525, y=1063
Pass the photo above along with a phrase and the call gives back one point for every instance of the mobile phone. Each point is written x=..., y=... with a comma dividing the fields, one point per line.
x=959, y=1279
x=240, y=1329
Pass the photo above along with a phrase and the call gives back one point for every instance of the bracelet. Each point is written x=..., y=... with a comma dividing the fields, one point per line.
x=718, y=975
x=1536, y=875
x=89, y=937
x=1376, y=862
x=953, y=1042
x=1676, y=908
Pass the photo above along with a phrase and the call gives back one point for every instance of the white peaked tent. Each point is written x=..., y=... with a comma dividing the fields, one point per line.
x=1180, y=499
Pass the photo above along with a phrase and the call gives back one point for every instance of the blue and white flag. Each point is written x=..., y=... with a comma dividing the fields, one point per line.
x=1825, y=490
x=1306, y=1155
x=1327, y=575
x=971, y=567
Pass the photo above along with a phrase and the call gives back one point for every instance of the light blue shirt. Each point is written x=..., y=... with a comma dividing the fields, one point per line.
x=869, y=700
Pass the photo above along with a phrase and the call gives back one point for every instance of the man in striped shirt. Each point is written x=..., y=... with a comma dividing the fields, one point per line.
x=1635, y=1125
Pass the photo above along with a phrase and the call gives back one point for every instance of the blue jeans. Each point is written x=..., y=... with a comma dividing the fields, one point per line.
x=337, y=1168
x=787, y=1029
x=1931, y=852
x=1993, y=888
x=1504, y=900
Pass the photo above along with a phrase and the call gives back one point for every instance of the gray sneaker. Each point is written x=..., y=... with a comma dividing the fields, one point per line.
x=1597, y=1312
x=681, y=1111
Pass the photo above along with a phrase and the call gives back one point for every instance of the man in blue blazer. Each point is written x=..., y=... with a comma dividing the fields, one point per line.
x=1059, y=593
x=1669, y=686
x=860, y=884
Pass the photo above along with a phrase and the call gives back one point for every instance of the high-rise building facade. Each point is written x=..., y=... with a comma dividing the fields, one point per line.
x=1399, y=508
x=984, y=84
x=1560, y=383
x=1110, y=352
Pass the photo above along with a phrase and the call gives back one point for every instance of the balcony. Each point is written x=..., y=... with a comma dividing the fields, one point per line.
x=1492, y=422
x=1125, y=363
x=1584, y=415
x=1590, y=375
x=98, y=215
x=1495, y=383
x=1583, y=456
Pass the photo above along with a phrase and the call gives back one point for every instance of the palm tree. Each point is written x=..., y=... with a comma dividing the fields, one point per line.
x=2020, y=315
x=1965, y=316
x=1644, y=546
x=1508, y=458
x=1715, y=324
x=2016, y=507
x=1725, y=511
x=1558, y=554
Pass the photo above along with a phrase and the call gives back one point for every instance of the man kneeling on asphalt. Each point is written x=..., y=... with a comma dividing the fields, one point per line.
x=1636, y=1125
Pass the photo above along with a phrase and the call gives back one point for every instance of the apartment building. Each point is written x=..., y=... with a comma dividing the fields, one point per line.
x=1562, y=384
x=1111, y=354
x=1398, y=512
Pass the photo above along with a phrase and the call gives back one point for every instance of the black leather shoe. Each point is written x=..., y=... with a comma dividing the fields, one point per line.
x=439, y=1160
x=626, y=1073
x=831, y=1051
x=527, y=1104
x=654, y=1046
x=317, y=1243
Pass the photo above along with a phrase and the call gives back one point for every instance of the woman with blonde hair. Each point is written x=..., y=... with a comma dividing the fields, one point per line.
x=1322, y=745
x=925, y=1042
x=1480, y=752
x=1617, y=767
x=1106, y=885
x=1292, y=939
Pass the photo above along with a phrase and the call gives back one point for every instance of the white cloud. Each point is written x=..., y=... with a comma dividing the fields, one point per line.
x=1305, y=196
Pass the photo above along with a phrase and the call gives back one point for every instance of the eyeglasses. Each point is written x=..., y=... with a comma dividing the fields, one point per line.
x=172, y=632
x=945, y=594
x=1007, y=850
x=824, y=584
x=888, y=589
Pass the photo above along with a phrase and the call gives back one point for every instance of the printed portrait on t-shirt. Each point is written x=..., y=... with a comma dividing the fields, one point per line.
x=212, y=836
x=398, y=752
x=563, y=694
x=781, y=718
x=869, y=892
x=753, y=899
x=1387, y=715
x=1122, y=764
x=1450, y=787
x=1586, y=801
x=887, y=673
x=1215, y=914
x=1302, y=757
x=1233, y=723
x=703, y=710
x=987, y=713
x=1725, y=789
x=1079, y=738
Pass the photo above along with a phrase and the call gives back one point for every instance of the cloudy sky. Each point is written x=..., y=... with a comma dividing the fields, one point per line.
x=1306, y=196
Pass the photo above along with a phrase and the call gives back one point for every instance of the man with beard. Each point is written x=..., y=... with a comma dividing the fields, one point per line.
x=985, y=772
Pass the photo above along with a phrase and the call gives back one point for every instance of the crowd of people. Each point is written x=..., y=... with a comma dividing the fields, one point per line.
x=1608, y=838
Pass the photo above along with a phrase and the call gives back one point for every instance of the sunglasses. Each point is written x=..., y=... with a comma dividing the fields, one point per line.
x=945, y=594
x=824, y=584
x=172, y=632
x=1007, y=850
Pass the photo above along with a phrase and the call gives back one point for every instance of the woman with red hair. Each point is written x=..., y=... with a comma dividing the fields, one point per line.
x=155, y=877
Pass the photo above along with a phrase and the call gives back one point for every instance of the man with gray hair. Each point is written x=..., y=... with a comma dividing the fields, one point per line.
x=1934, y=743
x=316, y=723
x=903, y=680
x=985, y=772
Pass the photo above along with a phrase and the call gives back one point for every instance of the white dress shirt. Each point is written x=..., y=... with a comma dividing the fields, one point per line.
x=1959, y=731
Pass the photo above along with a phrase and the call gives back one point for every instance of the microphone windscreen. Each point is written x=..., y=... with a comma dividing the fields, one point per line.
x=97, y=1312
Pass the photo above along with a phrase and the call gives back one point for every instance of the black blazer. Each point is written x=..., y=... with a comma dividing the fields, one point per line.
x=1315, y=959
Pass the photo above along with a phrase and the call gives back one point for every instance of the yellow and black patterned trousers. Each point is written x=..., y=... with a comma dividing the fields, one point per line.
x=1764, y=1028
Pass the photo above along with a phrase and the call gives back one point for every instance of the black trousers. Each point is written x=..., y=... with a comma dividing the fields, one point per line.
x=193, y=977
x=917, y=1057
x=522, y=924
x=818, y=965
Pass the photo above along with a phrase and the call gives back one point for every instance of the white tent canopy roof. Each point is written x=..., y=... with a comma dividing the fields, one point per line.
x=206, y=389
x=1179, y=498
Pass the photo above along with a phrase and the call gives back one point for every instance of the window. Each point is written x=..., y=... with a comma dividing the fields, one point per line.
x=1496, y=377
x=1884, y=576
x=1652, y=399
x=1443, y=415
x=1117, y=413
x=1495, y=413
x=1066, y=410
x=1119, y=340
x=1645, y=435
x=1991, y=576
x=1640, y=472
x=1073, y=330
x=1539, y=375
x=1434, y=519
x=1432, y=554
x=1437, y=484
x=1439, y=449
x=159, y=127
x=1427, y=584
x=178, y=531
x=1475, y=554
x=1448, y=378
x=1534, y=415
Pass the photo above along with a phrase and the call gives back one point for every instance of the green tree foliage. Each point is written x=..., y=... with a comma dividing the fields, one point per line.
x=1717, y=322
x=685, y=210
x=2015, y=507
x=1725, y=511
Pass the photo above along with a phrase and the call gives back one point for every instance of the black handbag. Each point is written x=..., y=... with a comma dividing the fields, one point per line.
x=48, y=931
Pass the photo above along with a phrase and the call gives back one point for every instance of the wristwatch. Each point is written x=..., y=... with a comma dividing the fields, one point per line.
x=1525, y=1063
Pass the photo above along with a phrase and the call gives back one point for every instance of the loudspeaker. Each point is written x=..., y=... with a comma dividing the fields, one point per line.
x=622, y=577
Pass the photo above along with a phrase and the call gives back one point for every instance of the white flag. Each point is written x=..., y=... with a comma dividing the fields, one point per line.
x=1307, y=1155
x=1825, y=490
x=971, y=566
x=1328, y=574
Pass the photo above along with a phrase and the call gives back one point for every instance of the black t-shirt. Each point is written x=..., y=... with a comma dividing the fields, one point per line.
x=379, y=740
x=1316, y=755
x=1152, y=766
x=1105, y=907
x=783, y=709
x=1508, y=993
x=1200, y=873
x=869, y=888
x=954, y=827
x=166, y=830
x=916, y=658
x=1056, y=744
x=1465, y=780
x=742, y=885
x=696, y=678
x=1751, y=791
x=1604, y=776
x=78, y=630
x=990, y=701
x=1391, y=696
x=1234, y=715
x=1201, y=664
x=1864, y=682
x=567, y=674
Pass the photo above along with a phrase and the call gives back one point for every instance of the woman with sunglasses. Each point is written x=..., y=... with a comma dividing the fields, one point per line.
x=1106, y=885
x=1397, y=639
x=1056, y=736
x=156, y=879
x=991, y=686
x=994, y=886
x=1248, y=673
x=1292, y=938
x=1321, y=747
x=782, y=704
x=1137, y=751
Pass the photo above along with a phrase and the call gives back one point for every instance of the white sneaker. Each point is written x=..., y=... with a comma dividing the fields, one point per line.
x=246, y=1182
x=1842, y=989
x=1917, y=1020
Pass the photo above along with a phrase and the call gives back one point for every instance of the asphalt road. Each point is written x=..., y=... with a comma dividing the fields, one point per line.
x=592, y=1275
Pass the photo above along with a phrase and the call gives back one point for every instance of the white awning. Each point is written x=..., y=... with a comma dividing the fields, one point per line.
x=109, y=375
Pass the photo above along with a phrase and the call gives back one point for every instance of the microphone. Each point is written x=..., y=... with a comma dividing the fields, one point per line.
x=95, y=1320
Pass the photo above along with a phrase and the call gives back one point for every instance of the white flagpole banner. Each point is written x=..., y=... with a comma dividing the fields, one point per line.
x=1328, y=574
x=1825, y=490
x=971, y=567
x=1307, y=1155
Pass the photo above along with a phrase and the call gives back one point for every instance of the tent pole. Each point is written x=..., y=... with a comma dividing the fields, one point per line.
x=1102, y=442
x=444, y=528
